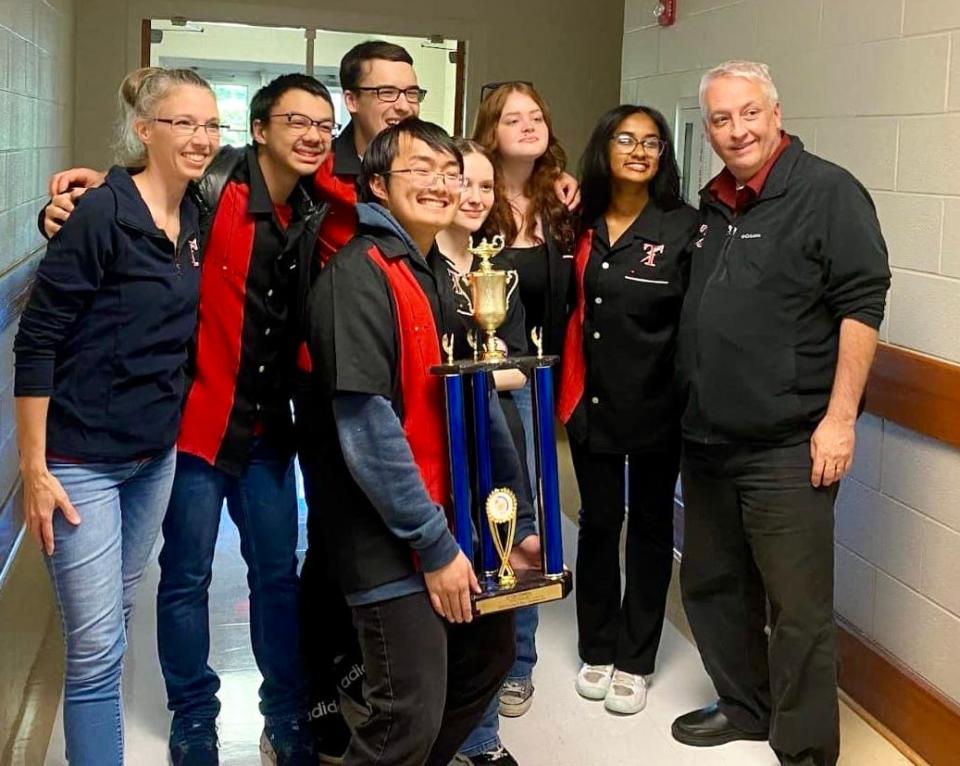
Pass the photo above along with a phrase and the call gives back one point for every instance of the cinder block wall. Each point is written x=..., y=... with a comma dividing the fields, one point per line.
x=36, y=136
x=873, y=85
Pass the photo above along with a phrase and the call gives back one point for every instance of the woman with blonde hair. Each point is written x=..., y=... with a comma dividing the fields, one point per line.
x=99, y=385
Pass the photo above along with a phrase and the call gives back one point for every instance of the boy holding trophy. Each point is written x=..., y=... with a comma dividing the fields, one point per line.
x=377, y=318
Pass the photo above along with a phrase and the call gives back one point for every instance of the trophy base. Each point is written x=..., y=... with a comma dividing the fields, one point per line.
x=533, y=587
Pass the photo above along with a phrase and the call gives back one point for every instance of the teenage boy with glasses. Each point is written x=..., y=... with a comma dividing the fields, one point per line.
x=375, y=318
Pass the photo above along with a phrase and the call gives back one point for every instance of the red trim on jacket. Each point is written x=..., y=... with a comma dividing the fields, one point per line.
x=206, y=414
x=424, y=408
x=338, y=227
x=574, y=370
x=340, y=224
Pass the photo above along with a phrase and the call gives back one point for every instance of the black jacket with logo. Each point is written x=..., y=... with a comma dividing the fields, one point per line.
x=106, y=331
x=760, y=325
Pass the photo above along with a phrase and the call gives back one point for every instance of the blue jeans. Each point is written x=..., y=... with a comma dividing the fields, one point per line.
x=95, y=569
x=486, y=736
x=262, y=503
x=527, y=618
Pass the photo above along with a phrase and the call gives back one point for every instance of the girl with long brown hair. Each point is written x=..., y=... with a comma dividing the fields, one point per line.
x=514, y=126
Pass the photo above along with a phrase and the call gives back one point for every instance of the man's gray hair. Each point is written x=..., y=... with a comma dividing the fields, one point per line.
x=749, y=70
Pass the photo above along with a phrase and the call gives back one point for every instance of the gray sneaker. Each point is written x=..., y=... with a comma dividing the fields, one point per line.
x=516, y=696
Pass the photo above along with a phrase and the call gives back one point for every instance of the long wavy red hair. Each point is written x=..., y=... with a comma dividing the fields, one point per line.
x=544, y=203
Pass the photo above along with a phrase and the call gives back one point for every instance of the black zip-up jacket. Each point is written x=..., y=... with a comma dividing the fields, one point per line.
x=106, y=330
x=760, y=325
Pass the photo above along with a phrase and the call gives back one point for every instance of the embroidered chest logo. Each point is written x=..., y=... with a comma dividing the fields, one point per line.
x=652, y=251
x=194, y=252
x=703, y=235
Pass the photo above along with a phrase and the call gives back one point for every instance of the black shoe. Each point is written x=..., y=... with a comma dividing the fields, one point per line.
x=501, y=757
x=708, y=727
x=292, y=742
x=193, y=742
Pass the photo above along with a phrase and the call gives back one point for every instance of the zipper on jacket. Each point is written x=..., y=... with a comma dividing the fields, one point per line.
x=723, y=258
x=719, y=271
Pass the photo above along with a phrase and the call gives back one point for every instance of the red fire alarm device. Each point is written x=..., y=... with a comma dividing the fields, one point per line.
x=667, y=12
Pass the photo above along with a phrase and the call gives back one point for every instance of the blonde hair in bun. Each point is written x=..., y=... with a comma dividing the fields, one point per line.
x=140, y=93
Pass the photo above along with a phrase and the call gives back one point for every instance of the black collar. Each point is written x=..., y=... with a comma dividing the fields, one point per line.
x=259, y=201
x=647, y=226
x=132, y=211
x=782, y=170
x=346, y=158
x=776, y=183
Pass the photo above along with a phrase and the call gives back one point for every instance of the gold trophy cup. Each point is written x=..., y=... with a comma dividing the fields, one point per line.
x=487, y=292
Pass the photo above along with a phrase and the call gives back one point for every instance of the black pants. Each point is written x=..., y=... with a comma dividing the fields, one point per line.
x=756, y=531
x=624, y=633
x=331, y=652
x=428, y=682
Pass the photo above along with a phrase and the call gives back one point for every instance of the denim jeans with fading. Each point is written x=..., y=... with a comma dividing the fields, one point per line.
x=95, y=569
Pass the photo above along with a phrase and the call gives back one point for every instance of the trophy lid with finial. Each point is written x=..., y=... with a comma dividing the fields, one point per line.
x=486, y=251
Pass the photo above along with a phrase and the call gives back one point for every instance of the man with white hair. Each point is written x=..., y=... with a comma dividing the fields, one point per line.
x=779, y=326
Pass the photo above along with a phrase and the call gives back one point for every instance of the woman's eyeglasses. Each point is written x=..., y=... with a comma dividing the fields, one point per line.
x=625, y=143
x=185, y=127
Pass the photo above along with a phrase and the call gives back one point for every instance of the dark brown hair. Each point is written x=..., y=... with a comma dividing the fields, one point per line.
x=351, y=65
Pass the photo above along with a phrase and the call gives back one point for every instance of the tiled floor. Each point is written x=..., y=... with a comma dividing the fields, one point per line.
x=561, y=729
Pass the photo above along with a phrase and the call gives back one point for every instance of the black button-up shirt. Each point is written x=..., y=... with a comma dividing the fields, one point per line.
x=248, y=332
x=633, y=290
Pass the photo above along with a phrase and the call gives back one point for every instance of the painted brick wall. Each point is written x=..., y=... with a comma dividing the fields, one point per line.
x=873, y=85
x=36, y=137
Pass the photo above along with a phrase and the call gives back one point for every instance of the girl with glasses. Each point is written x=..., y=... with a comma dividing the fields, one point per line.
x=617, y=397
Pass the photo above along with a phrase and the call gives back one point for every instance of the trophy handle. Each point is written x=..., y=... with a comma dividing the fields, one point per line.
x=461, y=286
x=513, y=281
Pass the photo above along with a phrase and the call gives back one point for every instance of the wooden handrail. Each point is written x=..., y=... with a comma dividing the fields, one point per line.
x=916, y=391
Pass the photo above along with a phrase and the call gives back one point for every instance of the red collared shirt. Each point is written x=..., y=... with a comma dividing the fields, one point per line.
x=736, y=197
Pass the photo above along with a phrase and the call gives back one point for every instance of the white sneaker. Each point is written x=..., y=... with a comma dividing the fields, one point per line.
x=593, y=681
x=627, y=693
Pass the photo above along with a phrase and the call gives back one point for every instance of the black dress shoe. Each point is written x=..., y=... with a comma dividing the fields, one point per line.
x=709, y=727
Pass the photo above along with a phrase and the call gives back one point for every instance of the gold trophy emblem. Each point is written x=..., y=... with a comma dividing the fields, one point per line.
x=502, y=517
x=487, y=292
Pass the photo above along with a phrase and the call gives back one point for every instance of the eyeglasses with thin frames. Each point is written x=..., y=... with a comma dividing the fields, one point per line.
x=186, y=127
x=425, y=179
x=389, y=94
x=625, y=143
x=301, y=123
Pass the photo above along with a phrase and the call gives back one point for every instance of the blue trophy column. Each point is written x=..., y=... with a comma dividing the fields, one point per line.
x=459, y=469
x=481, y=418
x=550, y=531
